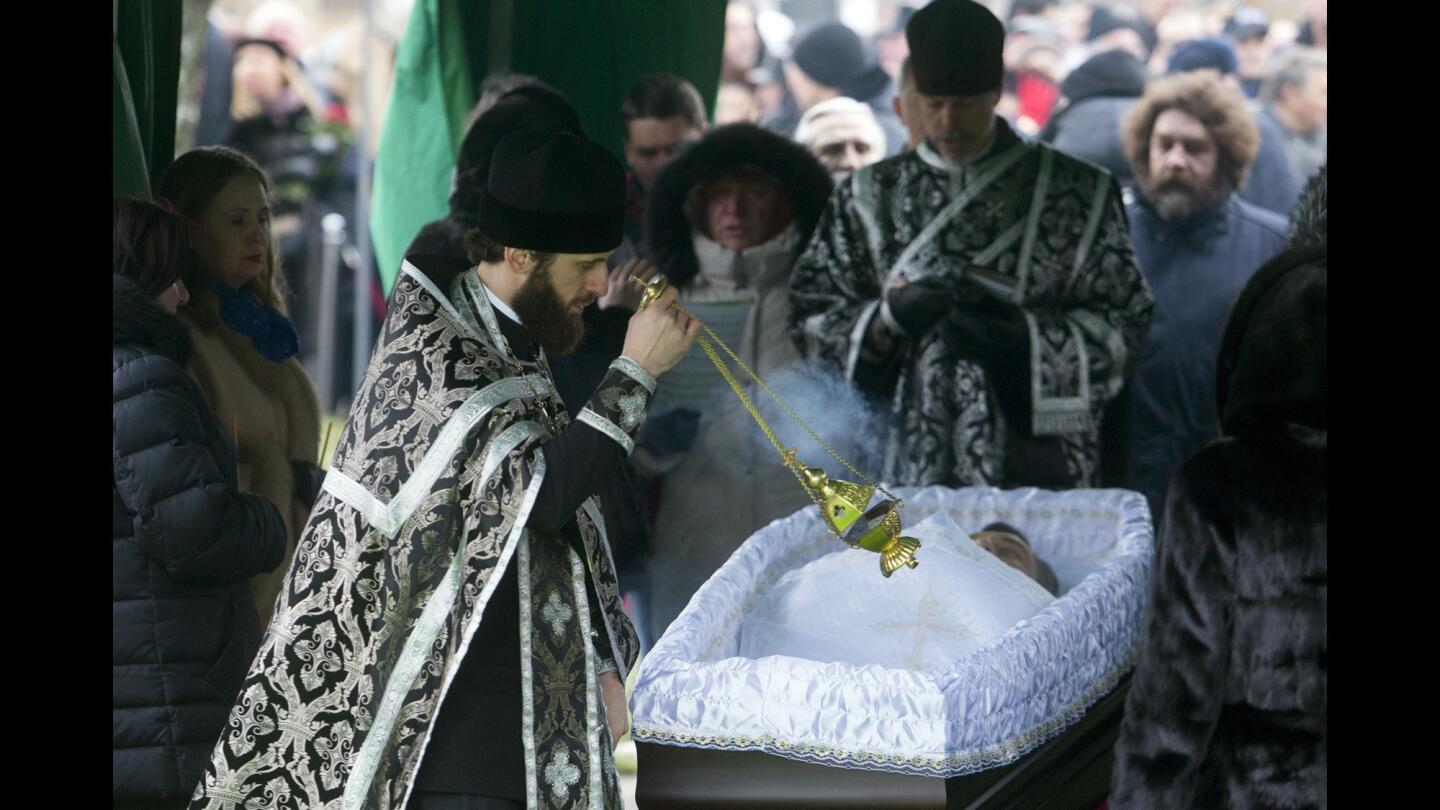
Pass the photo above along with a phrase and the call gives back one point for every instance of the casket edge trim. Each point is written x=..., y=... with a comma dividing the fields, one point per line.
x=960, y=763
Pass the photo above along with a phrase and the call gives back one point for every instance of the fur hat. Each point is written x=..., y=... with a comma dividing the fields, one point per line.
x=723, y=150
x=1274, y=363
x=553, y=192
x=530, y=107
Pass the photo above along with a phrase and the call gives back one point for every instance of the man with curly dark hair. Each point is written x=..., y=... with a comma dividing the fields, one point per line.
x=1190, y=142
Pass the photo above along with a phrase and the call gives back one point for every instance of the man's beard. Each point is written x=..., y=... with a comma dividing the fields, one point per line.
x=547, y=320
x=1177, y=201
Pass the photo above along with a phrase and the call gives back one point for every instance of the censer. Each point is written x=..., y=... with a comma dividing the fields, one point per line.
x=842, y=503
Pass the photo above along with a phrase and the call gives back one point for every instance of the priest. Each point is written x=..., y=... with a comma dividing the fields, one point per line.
x=450, y=633
x=981, y=287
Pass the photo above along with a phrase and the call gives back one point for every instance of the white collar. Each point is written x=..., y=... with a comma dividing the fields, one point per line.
x=496, y=302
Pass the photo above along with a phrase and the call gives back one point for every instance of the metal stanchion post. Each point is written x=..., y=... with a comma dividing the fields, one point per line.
x=333, y=226
x=360, y=348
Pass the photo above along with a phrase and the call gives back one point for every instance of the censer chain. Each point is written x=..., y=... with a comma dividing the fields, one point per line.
x=735, y=386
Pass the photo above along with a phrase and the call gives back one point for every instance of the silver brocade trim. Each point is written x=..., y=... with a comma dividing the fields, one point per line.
x=350, y=492
x=592, y=509
x=424, y=281
x=481, y=302
x=947, y=214
x=952, y=765
x=865, y=199
x=401, y=678
x=423, y=635
x=1001, y=244
x=1108, y=336
x=527, y=679
x=1054, y=416
x=458, y=296
x=633, y=370
x=1032, y=227
x=389, y=519
x=593, y=709
x=857, y=337
x=600, y=423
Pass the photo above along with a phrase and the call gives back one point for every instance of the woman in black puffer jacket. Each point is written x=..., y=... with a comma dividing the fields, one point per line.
x=184, y=628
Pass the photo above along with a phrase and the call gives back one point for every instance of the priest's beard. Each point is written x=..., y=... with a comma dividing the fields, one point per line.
x=548, y=320
x=1176, y=200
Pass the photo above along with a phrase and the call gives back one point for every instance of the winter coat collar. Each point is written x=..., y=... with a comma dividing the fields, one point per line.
x=755, y=267
x=137, y=320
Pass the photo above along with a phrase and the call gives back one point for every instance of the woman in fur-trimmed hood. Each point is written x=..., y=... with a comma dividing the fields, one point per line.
x=725, y=222
x=1229, y=706
x=724, y=150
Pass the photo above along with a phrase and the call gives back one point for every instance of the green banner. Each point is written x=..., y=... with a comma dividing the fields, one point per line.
x=590, y=50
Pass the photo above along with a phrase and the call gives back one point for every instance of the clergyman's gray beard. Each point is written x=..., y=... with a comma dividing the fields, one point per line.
x=547, y=320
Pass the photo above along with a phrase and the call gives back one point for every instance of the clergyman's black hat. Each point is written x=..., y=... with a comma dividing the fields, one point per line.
x=553, y=192
x=529, y=107
x=956, y=49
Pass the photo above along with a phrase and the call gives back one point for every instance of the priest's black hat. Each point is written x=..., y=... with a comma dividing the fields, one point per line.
x=553, y=192
x=529, y=107
x=956, y=48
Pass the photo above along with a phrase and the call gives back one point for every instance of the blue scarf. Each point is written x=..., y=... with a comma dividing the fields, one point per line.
x=272, y=333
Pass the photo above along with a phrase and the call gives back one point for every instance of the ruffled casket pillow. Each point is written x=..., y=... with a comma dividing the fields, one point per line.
x=720, y=679
x=838, y=608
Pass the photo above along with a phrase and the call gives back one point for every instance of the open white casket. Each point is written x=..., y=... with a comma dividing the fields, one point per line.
x=987, y=709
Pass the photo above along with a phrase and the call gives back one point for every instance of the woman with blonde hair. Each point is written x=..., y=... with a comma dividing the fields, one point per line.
x=244, y=345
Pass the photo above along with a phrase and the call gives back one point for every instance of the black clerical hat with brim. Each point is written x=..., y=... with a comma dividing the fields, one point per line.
x=553, y=192
x=956, y=49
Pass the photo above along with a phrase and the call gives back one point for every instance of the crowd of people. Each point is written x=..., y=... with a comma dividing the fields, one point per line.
x=1072, y=249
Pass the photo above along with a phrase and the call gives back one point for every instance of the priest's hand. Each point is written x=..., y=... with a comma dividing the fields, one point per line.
x=987, y=330
x=659, y=336
x=617, y=713
x=917, y=305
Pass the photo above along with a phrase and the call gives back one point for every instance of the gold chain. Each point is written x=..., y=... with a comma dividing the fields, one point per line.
x=735, y=386
x=749, y=405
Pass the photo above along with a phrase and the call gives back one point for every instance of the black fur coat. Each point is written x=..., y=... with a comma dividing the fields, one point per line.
x=1229, y=704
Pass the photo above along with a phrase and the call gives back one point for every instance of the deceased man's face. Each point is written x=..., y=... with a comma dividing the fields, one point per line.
x=1011, y=550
